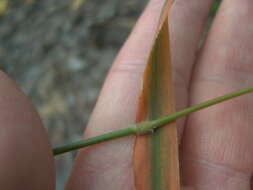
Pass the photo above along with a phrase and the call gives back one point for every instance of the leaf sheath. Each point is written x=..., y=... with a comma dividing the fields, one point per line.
x=156, y=164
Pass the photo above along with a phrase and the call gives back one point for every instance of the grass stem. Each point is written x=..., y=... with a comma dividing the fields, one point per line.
x=148, y=126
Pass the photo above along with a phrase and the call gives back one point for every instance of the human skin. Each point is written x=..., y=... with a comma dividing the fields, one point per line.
x=216, y=150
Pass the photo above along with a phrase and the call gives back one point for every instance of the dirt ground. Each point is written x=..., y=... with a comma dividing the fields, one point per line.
x=59, y=56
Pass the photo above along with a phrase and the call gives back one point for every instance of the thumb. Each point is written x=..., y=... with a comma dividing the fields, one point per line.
x=26, y=159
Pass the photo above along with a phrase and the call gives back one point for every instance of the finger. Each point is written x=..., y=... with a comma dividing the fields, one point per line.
x=26, y=160
x=187, y=20
x=110, y=164
x=218, y=149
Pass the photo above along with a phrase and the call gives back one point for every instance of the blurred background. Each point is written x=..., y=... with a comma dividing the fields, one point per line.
x=59, y=52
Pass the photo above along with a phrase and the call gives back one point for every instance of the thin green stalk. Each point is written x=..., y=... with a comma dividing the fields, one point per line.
x=94, y=140
x=215, y=7
x=148, y=126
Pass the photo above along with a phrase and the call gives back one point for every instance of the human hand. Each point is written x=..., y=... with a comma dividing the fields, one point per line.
x=216, y=148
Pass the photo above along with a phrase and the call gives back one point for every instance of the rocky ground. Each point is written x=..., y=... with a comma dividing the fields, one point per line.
x=59, y=56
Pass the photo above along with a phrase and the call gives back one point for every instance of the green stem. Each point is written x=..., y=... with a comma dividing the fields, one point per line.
x=94, y=140
x=146, y=127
